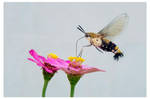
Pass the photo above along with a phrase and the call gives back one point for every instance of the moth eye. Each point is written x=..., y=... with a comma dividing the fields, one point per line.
x=86, y=35
x=97, y=39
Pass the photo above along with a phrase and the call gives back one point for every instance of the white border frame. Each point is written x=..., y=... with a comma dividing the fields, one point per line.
x=2, y=38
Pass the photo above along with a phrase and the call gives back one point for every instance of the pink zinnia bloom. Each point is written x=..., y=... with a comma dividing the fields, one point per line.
x=50, y=64
x=75, y=67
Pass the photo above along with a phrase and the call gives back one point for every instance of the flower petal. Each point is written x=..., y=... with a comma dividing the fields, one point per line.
x=57, y=62
x=66, y=70
x=35, y=55
x=32, y=60
x=62, y=62
x=42, y=58
x=39, y=64
x=68, y=61
x=48, y=70
x=53, y=62
x=90, y=70
x=80, y=71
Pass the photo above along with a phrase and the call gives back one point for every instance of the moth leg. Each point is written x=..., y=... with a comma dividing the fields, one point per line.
x=98, y=49
x=81, y=51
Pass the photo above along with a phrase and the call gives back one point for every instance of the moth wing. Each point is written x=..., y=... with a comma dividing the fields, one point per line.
x=115, y=26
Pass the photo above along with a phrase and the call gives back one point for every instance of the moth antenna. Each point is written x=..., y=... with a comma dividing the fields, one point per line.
x=81, y=29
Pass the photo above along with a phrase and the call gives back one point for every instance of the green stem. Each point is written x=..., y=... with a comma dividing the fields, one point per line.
x=47, y=77
x=73, y=79
x=44, y=88
x=72, y=91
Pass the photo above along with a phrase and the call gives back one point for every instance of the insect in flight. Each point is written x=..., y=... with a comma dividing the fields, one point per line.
x=100, y=40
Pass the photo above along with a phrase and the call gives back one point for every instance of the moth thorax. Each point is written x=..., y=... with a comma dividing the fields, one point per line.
x=92, y=35
x=95, y=41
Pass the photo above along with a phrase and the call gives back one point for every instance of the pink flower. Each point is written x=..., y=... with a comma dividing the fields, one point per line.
x=75, y=67
x=51, y=64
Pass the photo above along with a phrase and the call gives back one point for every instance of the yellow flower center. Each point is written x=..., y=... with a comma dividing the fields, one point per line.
x=52, y=55
x=76, y=62
x=76, y=59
